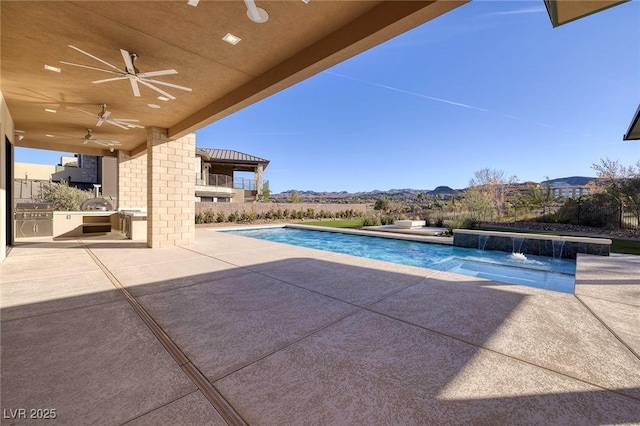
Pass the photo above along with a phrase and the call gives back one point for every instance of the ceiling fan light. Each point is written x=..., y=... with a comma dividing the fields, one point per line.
x=49, y=136
x=163, y=98
x=231, y=39
x=156, y=106
x=50, y=110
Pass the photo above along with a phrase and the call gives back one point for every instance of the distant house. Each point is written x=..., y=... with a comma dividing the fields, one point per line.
x=216, y=180
x=215, y=170
x=572, y=188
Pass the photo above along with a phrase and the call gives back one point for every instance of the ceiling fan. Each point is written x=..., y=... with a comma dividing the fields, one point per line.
x=131, y=73
x=255, y=13
x=90, y=138
x=105, y=116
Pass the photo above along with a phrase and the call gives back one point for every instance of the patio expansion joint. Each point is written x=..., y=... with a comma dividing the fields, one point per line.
x=615, y=391
x=228, y=413
x=633, y=305
x=159, y=407
x=604, y=324
x=291, y=343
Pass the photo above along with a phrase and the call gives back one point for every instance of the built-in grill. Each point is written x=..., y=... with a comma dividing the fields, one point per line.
x=34, y=220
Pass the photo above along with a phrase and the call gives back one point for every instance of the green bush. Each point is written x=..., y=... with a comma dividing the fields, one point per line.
x=233, y=217
x=199, y=217
x=439, y=222
x=209, y=216
x=371, y=221
x=63, y=196
x=220, y=217
x=463, y=223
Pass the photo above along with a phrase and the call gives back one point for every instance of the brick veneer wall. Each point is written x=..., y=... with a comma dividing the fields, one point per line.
x=228, y=208
x=132, y=180
x=171, y=198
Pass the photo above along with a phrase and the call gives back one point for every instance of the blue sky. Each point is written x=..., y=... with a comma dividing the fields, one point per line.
x=490, y=84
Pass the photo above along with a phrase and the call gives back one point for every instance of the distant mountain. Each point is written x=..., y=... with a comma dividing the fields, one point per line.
x=444, y=190
x=571, y=180
x=402, y=194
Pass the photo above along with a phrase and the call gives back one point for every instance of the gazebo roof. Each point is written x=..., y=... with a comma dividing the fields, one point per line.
x=230, y=156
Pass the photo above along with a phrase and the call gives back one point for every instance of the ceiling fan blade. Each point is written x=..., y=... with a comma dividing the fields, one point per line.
x=82, y=111
x=175, y=86
x=128, y=62
x=100, y=121
x=157, y=89
x=135, y=88
x=157, y=73
x=108, y=79
x=115, y=123
x=106, y=115
x=193, y=3
x=94, y=57
x=125, y=120
x=91, y=68
x=252, y=10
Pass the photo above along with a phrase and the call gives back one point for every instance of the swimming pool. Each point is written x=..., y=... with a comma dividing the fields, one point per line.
x=532, y=271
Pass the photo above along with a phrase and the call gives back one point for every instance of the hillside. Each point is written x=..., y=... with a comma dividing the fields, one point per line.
x=400, y=194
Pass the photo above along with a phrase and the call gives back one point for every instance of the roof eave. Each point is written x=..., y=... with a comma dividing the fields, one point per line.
x=633, y=134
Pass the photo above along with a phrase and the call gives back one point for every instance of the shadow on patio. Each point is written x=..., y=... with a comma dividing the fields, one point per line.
x=289, y=336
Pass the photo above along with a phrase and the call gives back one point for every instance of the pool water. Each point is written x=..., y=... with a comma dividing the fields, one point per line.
x=533, y=271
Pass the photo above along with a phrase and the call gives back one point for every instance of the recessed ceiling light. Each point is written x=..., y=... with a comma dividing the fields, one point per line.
x=306, y=1
x=193, y=3
x=231, y=39
x=50, y=68
x=50, y=110
x=163, y=98
x=49, y=136
x=20, y=137
x=153, y=106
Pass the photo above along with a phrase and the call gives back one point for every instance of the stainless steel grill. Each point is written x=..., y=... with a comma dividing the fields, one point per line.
x=34, y=220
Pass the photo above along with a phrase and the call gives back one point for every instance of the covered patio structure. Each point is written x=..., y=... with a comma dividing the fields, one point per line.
x=212, y=328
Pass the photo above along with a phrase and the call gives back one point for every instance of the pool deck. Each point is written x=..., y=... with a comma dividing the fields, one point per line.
x=233, y=330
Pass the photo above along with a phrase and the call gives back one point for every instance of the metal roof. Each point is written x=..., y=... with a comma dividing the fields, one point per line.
x=229, y=156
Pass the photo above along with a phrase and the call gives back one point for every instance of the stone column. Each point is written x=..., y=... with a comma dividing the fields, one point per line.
x=259, y=174
x=170, y=189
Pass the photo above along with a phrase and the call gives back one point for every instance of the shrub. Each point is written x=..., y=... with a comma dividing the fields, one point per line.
x=371, y=221
x=199, y=217
x=209, y=216
x=439, y=222
x=220, y=217
x=463, y=223
x=233, y=217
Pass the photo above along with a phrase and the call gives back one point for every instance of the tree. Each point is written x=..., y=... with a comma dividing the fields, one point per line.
x=622, y=184
x=541, y=196
x=476, y=204
x=382, y=204
x=492, y=185
x=265, y=195
x=295, y=197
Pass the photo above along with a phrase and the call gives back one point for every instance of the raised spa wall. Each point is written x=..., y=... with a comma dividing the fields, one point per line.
x=543, y=245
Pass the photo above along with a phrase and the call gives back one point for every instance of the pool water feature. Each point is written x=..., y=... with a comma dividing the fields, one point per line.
x=512, y=268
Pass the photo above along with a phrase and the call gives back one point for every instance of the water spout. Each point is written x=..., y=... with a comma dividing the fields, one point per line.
x=482, y=241
x=517, y=244
x=557, y=248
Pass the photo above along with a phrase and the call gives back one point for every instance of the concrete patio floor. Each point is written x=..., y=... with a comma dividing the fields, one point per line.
x=237, y=330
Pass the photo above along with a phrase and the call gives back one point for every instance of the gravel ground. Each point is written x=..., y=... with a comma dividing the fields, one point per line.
x=567, y=229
